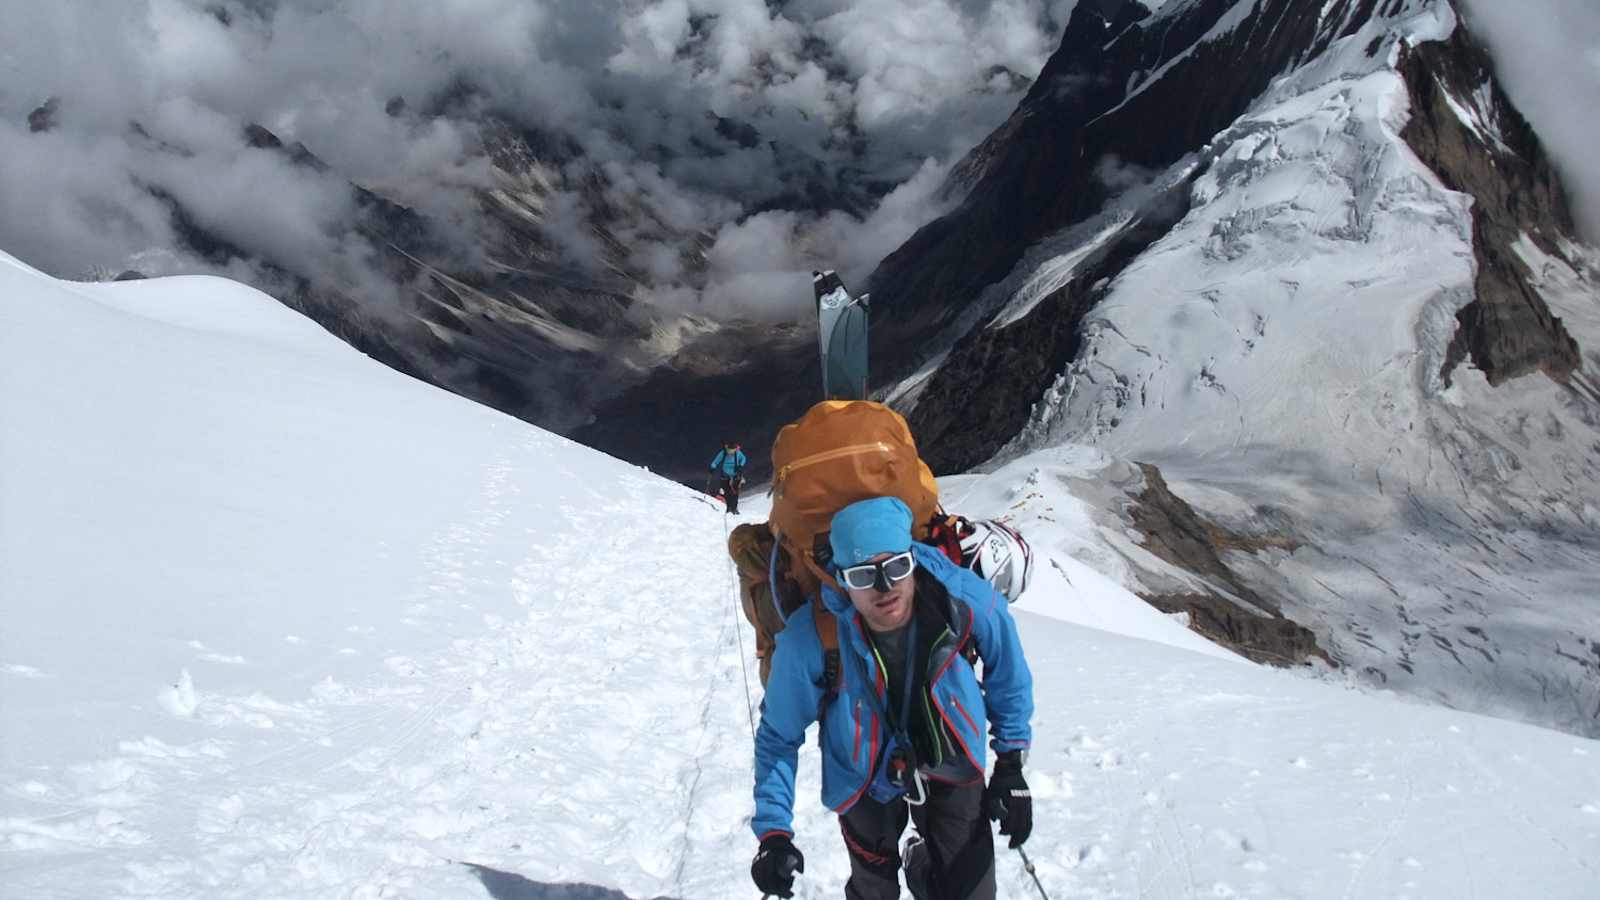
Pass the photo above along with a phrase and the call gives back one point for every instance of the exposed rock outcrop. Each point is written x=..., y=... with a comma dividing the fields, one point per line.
x=1175, y=533
x=1508, y=330
x=45, y=116
x=984, y=391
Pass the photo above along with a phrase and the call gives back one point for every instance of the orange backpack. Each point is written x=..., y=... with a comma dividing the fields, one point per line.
x=839, y=452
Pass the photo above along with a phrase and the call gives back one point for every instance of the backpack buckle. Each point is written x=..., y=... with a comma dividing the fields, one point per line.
x=830, y=684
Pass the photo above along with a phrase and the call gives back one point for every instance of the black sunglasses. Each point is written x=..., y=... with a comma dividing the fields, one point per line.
x=878, y=575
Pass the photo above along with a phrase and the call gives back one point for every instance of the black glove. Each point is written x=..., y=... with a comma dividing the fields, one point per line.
x=1007, y=800
x=775, y=864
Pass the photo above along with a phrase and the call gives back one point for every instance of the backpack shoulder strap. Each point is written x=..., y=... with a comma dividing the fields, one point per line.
x=804, y=566
x=832, y=673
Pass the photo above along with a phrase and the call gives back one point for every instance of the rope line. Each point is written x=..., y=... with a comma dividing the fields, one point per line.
x=738, y=630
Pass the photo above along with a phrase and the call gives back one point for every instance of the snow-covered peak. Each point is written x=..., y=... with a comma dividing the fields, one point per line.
x=1291, y=352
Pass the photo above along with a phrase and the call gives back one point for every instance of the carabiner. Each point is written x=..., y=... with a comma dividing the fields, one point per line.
x=921, y=782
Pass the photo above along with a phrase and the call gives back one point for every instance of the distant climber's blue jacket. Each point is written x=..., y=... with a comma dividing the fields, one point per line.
x=853, y=728
x=729, y=463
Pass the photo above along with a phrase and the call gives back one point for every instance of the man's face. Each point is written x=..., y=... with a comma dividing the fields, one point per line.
x=884, y=610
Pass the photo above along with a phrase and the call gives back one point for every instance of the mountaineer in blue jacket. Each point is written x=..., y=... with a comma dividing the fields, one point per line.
x=904, y=734
x=729, y=463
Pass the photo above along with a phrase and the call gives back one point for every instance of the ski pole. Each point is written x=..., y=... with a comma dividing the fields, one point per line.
x=1027, y=866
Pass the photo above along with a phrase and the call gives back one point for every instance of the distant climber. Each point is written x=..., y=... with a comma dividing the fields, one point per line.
x=729, y=465
x=900, y=710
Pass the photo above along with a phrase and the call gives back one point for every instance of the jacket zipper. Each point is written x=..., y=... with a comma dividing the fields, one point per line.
x=943, y=713
x=935, y=725
x=855, y=754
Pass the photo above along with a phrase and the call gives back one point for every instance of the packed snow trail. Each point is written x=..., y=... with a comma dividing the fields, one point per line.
x=281, y=623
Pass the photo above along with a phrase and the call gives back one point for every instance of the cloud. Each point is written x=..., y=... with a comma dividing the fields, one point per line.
x=821, y=122
x=778, y=137
x=1548, y=55
x=69, y=205
x=760, y=267
x=1119, y=176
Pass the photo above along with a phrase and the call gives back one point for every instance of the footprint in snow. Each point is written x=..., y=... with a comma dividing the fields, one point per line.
x=1232, y=841
x=1046, y=785
x=220, y=816
x=180, y=699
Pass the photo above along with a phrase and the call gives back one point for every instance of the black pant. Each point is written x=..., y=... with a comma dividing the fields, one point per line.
x=730, y=492
x=959, y=846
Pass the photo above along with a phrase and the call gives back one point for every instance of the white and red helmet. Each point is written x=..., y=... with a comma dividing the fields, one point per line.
x=998, y=554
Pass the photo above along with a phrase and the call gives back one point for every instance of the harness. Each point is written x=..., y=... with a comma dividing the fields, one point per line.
x=902, y=762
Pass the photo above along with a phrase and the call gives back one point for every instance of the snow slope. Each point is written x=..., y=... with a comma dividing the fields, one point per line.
x=280, y=622
x=1279, y=355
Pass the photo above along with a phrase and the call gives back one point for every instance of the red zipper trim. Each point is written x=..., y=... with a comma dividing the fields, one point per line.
x=851, y=800
x=960, y=709
x=855, y=742
x=867, y=856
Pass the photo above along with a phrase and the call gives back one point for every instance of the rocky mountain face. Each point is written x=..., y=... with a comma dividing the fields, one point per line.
x=537, y=311
x=511, y=321
x=1306, y=266
x=1494, y=157
x=1126, y=96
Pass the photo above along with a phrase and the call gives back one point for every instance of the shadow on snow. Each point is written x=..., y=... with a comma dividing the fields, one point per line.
x=511, y=886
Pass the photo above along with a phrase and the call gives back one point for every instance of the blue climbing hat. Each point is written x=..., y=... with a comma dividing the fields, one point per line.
x=867, y=528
